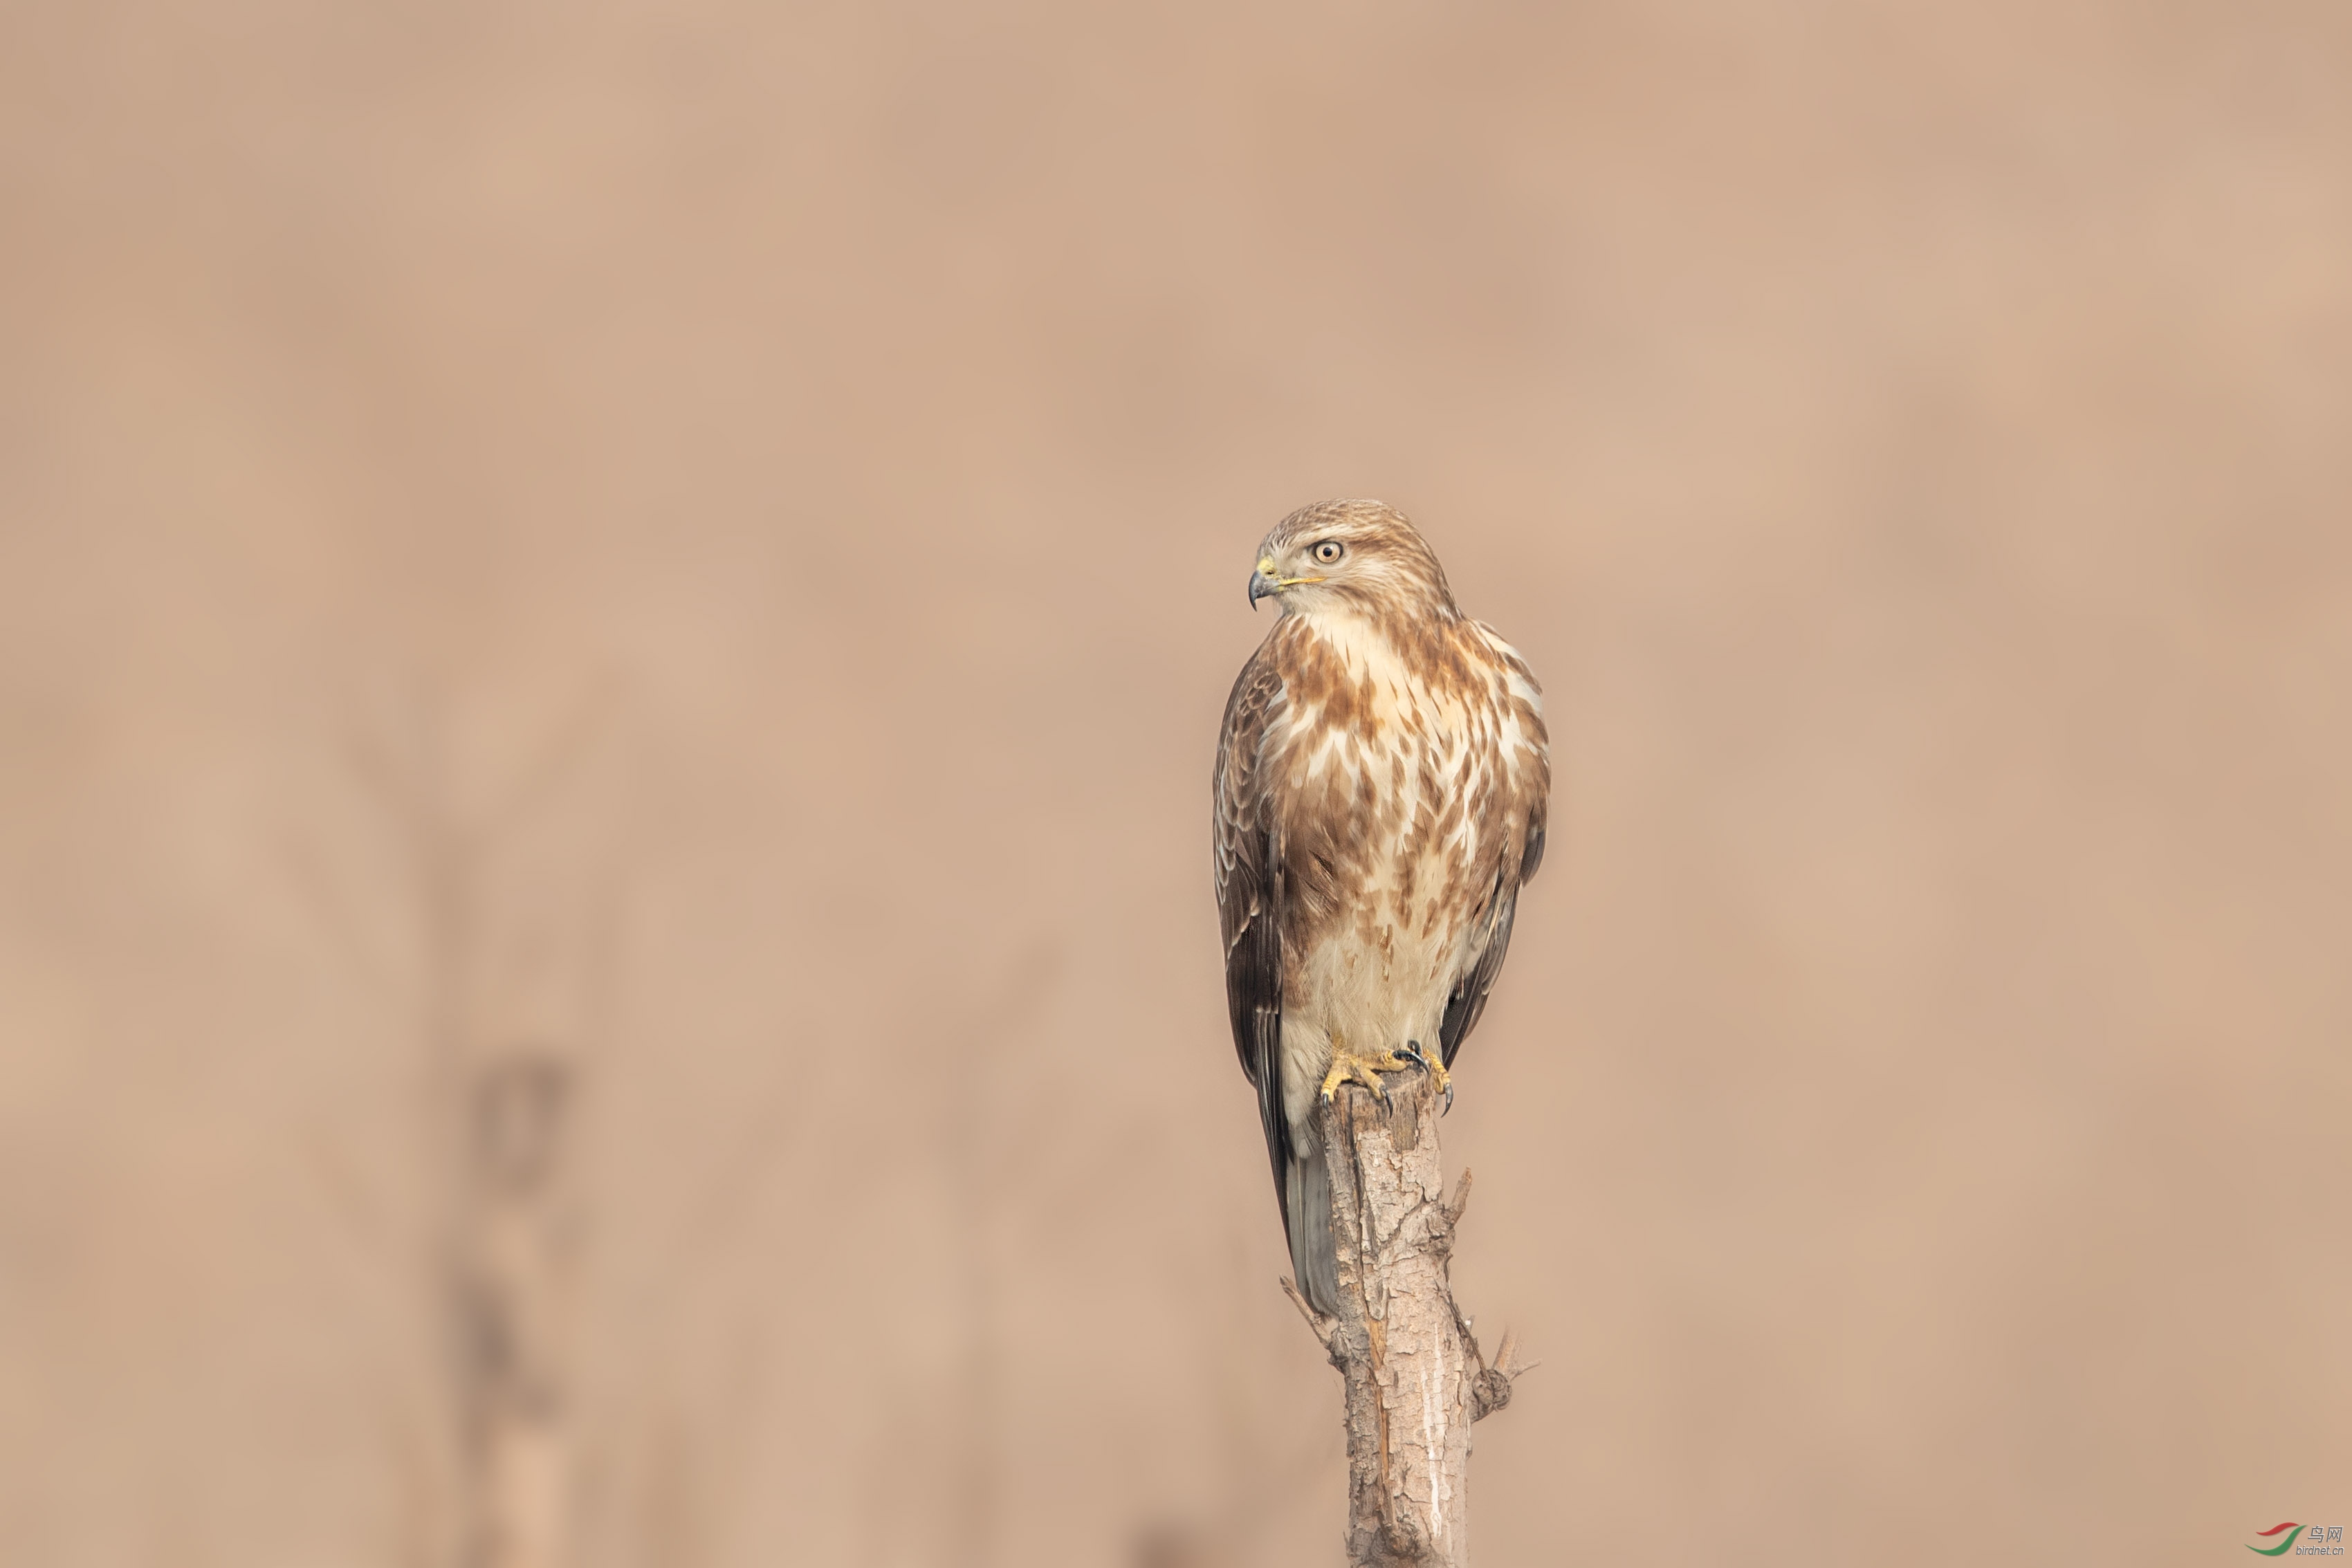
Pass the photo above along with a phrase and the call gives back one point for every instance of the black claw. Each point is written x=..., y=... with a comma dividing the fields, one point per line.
x=1412, y=1049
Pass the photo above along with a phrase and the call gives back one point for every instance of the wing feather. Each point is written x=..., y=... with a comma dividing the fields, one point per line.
x=1468, y=1000
x=1249, y=901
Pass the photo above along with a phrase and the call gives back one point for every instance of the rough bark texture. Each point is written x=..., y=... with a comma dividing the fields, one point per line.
x=1414, y=1375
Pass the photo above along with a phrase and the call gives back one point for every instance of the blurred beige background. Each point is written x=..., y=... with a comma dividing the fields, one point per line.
x=612, y=620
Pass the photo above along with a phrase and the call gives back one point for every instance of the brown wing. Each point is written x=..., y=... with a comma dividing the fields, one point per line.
x=1249, y=899
x=1468, y=998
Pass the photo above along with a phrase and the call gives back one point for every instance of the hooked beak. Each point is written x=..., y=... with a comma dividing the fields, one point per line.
x=1263, y=581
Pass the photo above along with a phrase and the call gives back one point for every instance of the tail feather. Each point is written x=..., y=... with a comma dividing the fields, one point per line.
x=1306, y=1211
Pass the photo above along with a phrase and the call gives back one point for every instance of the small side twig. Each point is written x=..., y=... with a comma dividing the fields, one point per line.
x=1320, y=1325
x=1490, y=1385
x=1460, y=1200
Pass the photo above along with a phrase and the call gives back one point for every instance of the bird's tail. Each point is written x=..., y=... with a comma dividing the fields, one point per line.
x=1306, y=1208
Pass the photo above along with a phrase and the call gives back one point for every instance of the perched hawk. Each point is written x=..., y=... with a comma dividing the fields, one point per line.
x=1381, y=786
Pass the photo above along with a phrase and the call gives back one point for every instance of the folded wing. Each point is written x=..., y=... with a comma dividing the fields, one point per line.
x=1249, y=902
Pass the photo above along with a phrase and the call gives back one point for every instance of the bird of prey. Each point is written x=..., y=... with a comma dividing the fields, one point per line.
x=1382, y=780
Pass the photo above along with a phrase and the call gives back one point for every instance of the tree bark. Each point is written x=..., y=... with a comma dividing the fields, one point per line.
x=1414, y=1379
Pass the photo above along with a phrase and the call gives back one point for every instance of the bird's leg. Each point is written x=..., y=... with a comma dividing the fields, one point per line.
x=1435, y=1065
x=1364, y=1069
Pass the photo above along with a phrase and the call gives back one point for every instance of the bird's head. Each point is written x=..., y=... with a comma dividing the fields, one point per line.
x=1361, y=556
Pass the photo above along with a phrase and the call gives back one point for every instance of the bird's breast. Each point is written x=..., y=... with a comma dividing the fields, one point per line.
x=1391, y=834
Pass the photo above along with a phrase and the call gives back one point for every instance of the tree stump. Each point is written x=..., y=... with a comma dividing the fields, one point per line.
x=1414, y=1377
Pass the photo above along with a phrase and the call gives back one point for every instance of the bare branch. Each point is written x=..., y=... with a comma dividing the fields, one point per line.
x=1404, y=1349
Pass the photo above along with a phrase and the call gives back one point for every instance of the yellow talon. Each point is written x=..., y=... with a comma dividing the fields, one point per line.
x=1364, y=1069
x=1435, y=1062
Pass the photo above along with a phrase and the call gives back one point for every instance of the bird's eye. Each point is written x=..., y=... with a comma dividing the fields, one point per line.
x=1328, y=551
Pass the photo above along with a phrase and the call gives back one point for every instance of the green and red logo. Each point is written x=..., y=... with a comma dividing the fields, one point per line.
x=2318, y=1540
